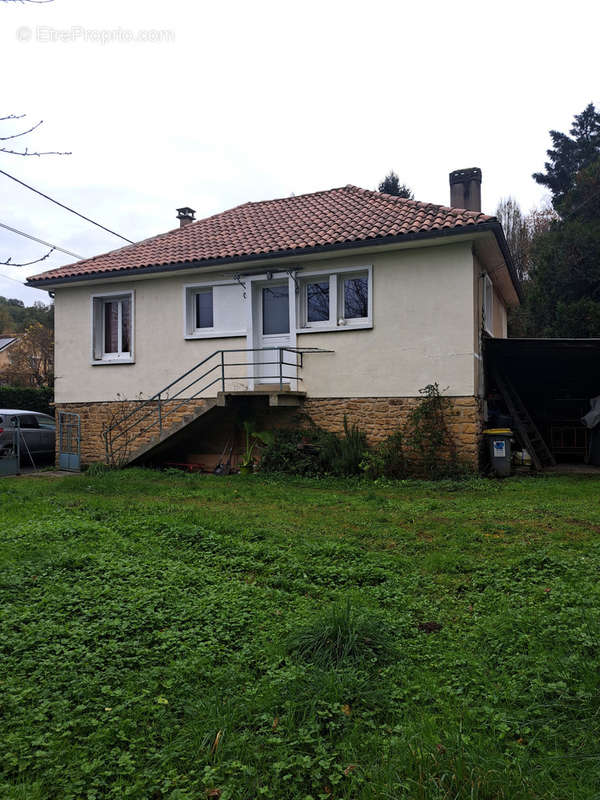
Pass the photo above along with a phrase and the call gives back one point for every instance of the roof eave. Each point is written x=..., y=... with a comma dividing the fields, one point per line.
x=481, y=227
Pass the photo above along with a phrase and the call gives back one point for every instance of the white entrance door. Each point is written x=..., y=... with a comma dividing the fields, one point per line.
x=273, y=328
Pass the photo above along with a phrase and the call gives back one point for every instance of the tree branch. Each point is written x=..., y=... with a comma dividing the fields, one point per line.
x=16, y=135
x=26, y=151
x=9, y=262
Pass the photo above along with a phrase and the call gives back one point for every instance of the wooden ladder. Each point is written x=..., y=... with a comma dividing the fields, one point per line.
x=528, y=432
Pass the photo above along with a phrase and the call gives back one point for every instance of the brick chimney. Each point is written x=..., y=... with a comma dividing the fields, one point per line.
x=465, y=189
x=185, y=215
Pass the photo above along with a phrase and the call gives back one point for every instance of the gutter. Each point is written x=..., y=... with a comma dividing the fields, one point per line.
x=493, y=226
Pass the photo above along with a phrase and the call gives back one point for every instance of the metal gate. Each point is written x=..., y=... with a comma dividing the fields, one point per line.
x=69, y=441
x=10, y=449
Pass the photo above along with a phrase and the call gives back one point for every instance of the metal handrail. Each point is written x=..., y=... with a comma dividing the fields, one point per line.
x=156, y=403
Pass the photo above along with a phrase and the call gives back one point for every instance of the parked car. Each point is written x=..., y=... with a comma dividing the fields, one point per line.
x=38, y=434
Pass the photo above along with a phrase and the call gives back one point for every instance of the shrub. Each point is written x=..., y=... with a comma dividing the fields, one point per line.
x=342, y=456
x=295, y=452
x=341, y=635
x=313, y=451
x=428, y=439
x=423, y=448
x=97, y=469
x=387, y=459
x=27, y=399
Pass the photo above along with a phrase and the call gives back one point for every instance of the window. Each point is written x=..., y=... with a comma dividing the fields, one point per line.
x=317, y=301
x=46, y=422
x=275, y=310
x=112, y=327
x=25, y=421
x=488, y=305
x=214, y=310
x=204, y=308
x=340, y=299
x=356, y=297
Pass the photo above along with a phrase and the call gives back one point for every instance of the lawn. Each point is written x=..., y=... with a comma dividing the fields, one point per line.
x=151, y=627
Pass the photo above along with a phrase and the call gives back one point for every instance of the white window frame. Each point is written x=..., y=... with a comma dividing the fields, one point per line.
x=337, y=321
x=190, y=331
x=195, y=328
x=488, y=305
x=97, y=301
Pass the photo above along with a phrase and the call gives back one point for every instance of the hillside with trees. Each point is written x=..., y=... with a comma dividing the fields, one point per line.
x=15, y=316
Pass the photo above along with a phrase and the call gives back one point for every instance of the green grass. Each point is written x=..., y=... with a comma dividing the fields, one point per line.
x=174, y=636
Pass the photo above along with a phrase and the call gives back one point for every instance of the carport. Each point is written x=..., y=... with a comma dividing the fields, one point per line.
x=546, y=386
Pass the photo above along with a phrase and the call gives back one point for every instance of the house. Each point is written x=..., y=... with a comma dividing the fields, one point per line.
x=361, y=298
x=7, y=340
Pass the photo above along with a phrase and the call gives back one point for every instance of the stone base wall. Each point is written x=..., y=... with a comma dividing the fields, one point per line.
x=377, y=416
x=96, y=417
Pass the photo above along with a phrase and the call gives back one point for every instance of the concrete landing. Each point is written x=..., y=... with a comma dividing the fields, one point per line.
x=275, y=397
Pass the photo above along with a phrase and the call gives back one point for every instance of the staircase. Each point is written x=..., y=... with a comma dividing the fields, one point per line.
x=528, y=433
x=134, y=432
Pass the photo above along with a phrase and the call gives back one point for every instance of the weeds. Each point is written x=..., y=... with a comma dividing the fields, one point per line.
x=175, y=637
x=342, y=635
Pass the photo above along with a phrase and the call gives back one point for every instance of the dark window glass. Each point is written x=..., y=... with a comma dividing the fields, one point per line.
x=204, y=309
x=317, y=301
x=125, y=325
x=356, y=297
x=276, y=310
x=111, y=330
x=26, y=421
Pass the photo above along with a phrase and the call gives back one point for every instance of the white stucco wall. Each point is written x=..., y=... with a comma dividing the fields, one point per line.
x=423, y=331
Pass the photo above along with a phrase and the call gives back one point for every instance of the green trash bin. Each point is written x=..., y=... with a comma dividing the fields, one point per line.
x=500, y=450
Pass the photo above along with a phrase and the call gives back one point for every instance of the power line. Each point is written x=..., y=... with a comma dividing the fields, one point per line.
x=14, y=280
x=40, y=241
x=62, y=205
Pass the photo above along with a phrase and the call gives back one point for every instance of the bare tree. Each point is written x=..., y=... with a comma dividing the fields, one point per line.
x=122, y=427
x=26, y=151
x=522, y=230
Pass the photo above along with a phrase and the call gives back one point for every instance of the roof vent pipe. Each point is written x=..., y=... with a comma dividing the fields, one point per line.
x=465, y=189
x=185, y=215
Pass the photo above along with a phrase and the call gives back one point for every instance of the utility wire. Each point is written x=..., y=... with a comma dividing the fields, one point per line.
x=40, y=241
x=62, y=205
x=14, y=280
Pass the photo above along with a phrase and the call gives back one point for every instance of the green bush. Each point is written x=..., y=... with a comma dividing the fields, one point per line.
x=27, y=399
x=295, y=452
x=313, y=451
x=423, y=448
x=429, y=442
x=387, y=459
x=97, y=469
x=342, y=456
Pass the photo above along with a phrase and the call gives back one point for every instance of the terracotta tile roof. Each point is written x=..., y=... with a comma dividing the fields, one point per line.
x=289, y=225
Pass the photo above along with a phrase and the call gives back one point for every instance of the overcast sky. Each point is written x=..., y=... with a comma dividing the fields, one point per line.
x=166, y=104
